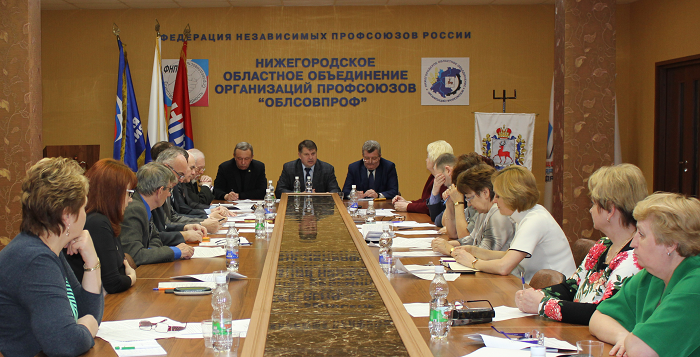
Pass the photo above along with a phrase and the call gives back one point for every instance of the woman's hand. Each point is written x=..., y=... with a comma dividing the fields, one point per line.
x=130, y=272
x=89, y=322
x=441, y=245
x=83, y=245
x=528, y=300
x=455, y=195
x=463, y=257
x=619, y=348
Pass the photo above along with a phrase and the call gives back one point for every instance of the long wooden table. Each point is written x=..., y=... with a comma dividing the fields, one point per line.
x=141, y=301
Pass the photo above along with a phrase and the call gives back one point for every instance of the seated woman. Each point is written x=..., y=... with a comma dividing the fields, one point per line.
x=614, y=190
x=435, y=149
x=492, y=230
x=539, y=242
x=111, y=185
x=43, y=306
x=654, y=312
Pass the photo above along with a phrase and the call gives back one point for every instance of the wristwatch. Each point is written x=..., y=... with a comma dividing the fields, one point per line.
x=459, y=203
x=474, y=262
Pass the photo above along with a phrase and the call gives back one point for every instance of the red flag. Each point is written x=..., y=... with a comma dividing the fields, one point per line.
x=180, y=123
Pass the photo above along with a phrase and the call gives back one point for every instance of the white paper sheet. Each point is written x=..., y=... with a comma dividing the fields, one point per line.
x=138, y=348
x=207, y=252
x=241, y=217
x=419, y=253
x=185, y=284
x=208, y=277
x=425, y=272
x=411, y=224
x=422, y=243
x=128, y=330
x=418, y=309
x=506, y=313
x=418, y=232
x=216, y=242
x=499, y=352
x=502, y=342
x=240, y=230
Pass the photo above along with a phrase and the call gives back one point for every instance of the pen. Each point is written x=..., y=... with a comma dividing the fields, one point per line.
x=221, y=220
x=522, y=278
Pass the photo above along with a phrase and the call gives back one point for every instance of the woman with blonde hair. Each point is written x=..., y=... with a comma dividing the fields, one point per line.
x=614, y=191
x=654, y=312
x=43, y=307
x=538, y=243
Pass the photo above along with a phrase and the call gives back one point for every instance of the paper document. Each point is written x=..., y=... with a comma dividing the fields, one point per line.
x=425, y=272
x=241, y=217
x=420, y=253
x=138, y=348
x=411, y=224
x=185, y=284
x=419, y=232
x=418, y=309
x=240, y=230
x=208, y=277
x=422, y=243
x=241, y=225
x=459, y=268
x=216, y=242
x=507, y=313
x=128, y=330
x=207, y=252
x=382, y=212
x=502, y=342
x=500, y=352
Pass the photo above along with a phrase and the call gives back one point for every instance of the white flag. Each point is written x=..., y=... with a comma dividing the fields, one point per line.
x=157, y=128
x=549, y=163
x=505, y=137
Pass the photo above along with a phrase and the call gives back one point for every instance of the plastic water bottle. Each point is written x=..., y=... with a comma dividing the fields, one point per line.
x=440, y=310
x=259, y=222
x=352, y=208
x=269, y=186
x=386, y=259
x=309, y=189
x=221, y=326
x=297, y=184
x=269, y=204
x=232, y=244
x=370, y=213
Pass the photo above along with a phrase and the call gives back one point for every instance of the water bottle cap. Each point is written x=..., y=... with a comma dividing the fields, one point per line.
x=296, y=177
x=353, y=186
x=439, y=269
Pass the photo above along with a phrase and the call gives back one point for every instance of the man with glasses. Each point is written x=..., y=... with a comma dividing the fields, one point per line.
x=322, y=173
x=373, y=176
x=194, y=194
x=241, y=177
x=139, y=236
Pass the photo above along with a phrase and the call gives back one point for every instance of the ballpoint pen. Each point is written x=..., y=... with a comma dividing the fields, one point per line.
x=522, y=278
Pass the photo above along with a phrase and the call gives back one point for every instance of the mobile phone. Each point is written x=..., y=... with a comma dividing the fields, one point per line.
x=192, y=291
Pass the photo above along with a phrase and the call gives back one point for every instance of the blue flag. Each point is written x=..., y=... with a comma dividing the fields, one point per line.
x=119, y=117
x=136, y=147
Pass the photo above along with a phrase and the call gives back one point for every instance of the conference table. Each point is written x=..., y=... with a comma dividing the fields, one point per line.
x=141, y=301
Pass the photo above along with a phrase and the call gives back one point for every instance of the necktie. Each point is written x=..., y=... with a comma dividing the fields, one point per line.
x=371, y=179
x=308, y=173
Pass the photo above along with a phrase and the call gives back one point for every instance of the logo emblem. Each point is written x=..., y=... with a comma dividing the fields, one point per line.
x=445, y=81
x=504, y=148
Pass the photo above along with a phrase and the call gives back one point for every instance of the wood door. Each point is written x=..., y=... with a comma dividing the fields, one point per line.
x=676, y=159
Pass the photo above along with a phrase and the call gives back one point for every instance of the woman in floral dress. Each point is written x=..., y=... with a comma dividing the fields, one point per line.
x=614, y=192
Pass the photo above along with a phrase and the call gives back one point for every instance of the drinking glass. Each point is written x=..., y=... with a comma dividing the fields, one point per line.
x=206, y=333
x=589, y=348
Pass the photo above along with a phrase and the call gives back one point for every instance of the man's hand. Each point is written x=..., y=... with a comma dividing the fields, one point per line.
x=205, y=180
x=438, y=183
x=371, y=194
x=231, y=196
x=192, y=236
x=212, y=225
x=222, y=212
x=401, y=206
x=186, y=251
x=196, y=227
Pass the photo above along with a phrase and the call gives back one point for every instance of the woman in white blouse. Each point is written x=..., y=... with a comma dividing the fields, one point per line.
x=539, y=242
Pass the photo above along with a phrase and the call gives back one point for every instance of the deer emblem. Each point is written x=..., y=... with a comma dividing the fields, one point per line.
x=503, y=155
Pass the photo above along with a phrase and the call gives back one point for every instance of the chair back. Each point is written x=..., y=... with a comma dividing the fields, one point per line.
x=580, y=249
x=546, y=277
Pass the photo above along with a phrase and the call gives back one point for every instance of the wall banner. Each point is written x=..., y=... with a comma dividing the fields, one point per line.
x=506, y=138
x=197, y=76
x=445, y=81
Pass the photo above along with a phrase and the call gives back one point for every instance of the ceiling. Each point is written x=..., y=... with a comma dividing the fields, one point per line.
x=153, y=4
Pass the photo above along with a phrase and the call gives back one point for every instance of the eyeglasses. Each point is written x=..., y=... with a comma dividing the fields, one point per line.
x=130, y=193
x=179, y=174
x=159, y=326
x=372, y=159
x=467, y=200
x=201, y=169
x=169, y=188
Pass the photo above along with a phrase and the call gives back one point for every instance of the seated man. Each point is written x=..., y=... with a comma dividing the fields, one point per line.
x=435, y=149
x=194, y=195
x=443, y=179
x=241, y=177
x=373, y=176
x=322, y=174
x=139, y=237
x=177, y=160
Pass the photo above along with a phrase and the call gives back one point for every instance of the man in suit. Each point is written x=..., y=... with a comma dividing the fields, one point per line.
x=322, y=174
x=241, y=177
x=373, y=176
x=194, y=195
x=139, y=236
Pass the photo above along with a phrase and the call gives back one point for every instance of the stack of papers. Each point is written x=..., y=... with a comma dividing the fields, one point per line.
x=217, y=242
x=208, y=252
x=418, y=253
x=411, y=224
x=425, y=272
x=419, y=232
x=415, y=243
x=208, y=277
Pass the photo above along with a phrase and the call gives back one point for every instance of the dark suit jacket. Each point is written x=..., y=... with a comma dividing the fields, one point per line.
x=169, y=232
x=386, y=181
x=228, y=179
x=323, y=181
x=197, y=197
x=179, y=204
x=139, y=236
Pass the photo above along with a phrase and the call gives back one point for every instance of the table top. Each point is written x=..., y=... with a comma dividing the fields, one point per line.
x=141, y=301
